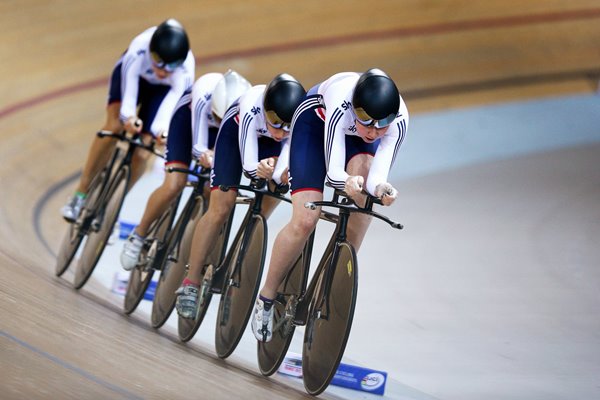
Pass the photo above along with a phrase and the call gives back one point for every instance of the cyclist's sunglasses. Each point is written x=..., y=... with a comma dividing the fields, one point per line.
x=365, y=120
x=276, y=122
x=169, y=67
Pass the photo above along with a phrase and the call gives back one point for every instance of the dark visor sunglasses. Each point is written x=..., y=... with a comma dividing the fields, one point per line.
x=169, y=67
x=363, y=118
x=276, y=122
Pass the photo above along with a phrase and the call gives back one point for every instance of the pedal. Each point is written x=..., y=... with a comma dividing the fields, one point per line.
x=290, y=313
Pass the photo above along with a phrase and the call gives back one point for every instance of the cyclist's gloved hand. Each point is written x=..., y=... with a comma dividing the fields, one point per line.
x=386, y=193
x=161, y=138
x=354, y=185
x=206, y=159
x=133, y=125
x=265, y=168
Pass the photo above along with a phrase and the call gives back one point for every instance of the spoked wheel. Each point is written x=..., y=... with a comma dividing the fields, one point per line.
x=329, y=321
x=187, y=328
x=152, y=252
x=96, y=240
x=272, y=353
x=241, y=286
x=173, y=269
x=75, y=234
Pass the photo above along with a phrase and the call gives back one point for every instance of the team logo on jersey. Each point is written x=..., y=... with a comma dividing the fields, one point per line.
x=346, y=105
x=320, y=113
x=140, y=52
x=262, y=131
x=207, y=96
x=255, y=110
x=352, y=128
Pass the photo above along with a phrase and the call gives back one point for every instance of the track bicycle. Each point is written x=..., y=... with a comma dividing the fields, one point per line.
x=177, y=249
x=99, y=213
x=237, y=278
x=156, y=244
x=325, y=304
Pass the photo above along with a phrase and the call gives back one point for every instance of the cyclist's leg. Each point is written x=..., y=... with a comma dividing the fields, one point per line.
x=227, y=170
x=204, y=239
x=161, y=198
x=268, y=206
x=207, y=230
x=290, y=240
x=307, y=170
x=139, y=161
x=101, y=148
x=179, y=155
x=158, y=203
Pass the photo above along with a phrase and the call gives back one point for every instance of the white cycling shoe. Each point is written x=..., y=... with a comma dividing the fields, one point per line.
x=71, y=210
x=262, y=321
x=131, y=251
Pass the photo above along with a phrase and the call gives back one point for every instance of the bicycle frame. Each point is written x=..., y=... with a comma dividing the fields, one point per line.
x=346, y=207
x=254, y=209
x=197, y=195
x=114, y=166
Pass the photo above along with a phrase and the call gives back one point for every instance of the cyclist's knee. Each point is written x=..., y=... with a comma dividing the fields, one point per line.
x=141, y=155
x=113, y=122
x=220, y=209
x=175, y=184
x=360, y=165
x=304, y=223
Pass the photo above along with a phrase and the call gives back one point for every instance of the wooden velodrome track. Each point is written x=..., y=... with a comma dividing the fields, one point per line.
x=56, y=59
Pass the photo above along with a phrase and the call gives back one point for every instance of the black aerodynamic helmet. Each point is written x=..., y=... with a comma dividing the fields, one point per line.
x=375, y=99
x=169, y=45
x=282, y=96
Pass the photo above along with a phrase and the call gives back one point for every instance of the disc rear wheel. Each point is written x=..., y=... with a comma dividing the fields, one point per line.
x=173, y=269
x=241, y=288
x=187, y=328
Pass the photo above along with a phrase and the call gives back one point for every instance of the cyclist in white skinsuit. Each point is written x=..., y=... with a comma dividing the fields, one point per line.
x=192, y=133
x=250, y=140
x=347, y=131
x=154, y=72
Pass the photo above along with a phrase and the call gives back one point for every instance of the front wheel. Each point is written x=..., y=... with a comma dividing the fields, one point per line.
x=329, y=320
x=241, y=286
x=96, y=240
